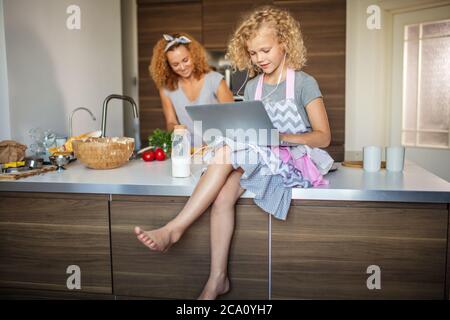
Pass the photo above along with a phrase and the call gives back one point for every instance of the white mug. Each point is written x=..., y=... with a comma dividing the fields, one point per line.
x=372, y=158
x=395, y=159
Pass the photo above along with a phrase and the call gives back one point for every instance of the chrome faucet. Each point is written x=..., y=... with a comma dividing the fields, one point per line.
x=71, y=118
x=137, y=139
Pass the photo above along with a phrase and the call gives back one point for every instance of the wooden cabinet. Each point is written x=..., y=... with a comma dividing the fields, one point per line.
x=182, y=272
x=153, y=2
x=43, y=234
x=220, y=18
x=323, y=24
x=249, y=254
x=323, y=251
x=154, y=19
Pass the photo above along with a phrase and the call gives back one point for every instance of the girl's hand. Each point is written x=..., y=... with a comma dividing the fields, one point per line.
x=292, y=138
x=320, y=136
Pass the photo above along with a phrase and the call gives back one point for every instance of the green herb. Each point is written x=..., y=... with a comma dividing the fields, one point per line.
x=161, y=139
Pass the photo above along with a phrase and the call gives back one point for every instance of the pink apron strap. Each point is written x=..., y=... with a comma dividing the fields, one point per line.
x=290, y=85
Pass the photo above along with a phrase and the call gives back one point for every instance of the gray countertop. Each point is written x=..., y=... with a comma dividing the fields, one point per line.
x=137, y=177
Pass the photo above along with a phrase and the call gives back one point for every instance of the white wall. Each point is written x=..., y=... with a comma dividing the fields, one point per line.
x=5, y=131
x=130, y=60
x=53, y=70
x=365, y=106
x=369, y=109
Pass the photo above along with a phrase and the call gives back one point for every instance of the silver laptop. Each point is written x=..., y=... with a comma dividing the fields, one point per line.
x=245, y=121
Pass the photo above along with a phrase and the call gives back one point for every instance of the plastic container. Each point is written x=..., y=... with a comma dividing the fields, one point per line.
x=181, y=152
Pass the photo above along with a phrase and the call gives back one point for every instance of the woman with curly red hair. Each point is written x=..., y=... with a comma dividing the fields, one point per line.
x=181, y=72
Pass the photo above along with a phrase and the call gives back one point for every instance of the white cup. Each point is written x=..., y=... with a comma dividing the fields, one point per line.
x=372, y=158
x=395, y=159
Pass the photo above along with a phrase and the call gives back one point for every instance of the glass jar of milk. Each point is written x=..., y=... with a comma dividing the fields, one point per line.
x=181, y=152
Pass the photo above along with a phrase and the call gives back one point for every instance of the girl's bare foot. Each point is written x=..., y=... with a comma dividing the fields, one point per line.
x=216, y=286
x=158, y=240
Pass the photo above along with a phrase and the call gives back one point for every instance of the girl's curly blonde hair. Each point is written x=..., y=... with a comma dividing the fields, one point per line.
x=160, y=69
x=286, y=28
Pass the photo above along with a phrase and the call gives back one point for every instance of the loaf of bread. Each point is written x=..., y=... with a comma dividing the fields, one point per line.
x=68, y=148
x=11, y=151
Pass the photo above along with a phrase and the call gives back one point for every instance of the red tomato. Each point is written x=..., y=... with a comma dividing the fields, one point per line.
x=160, y=155
x=148, y=155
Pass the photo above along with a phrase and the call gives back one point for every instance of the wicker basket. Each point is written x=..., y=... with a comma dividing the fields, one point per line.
x=103, y=153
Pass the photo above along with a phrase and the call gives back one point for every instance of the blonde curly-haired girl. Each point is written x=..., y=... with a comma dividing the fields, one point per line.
x=180, y=70
x=284, y=27
x=269, y=44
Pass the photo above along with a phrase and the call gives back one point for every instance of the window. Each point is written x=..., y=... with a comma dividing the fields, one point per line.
x=426, y=85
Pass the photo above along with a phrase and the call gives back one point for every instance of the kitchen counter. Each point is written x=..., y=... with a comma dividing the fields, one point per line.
x=137, y=177
x=83, y=217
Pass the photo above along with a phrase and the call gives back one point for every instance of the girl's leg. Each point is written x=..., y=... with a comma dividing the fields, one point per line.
x=222, y=228
x=204, y=194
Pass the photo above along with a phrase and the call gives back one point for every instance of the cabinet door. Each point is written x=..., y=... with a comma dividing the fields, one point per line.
x=43, y=234
x=220, y=18
x=182, y=272
x=324, y=252
x=249, y=254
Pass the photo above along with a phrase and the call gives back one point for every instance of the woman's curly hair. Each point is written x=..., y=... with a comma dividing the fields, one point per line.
x=286, y=28
x=160, y=69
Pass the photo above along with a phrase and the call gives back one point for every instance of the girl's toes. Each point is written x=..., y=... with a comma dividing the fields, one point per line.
x=143, y=237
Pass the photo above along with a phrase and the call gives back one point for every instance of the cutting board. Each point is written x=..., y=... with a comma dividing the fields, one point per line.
x=359, y=164
x=20, y=175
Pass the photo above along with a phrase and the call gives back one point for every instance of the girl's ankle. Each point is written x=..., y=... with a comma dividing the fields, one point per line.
x=174, y=233
x=220, y=275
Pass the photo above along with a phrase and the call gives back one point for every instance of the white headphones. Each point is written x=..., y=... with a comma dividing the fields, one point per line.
x=267, y=95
